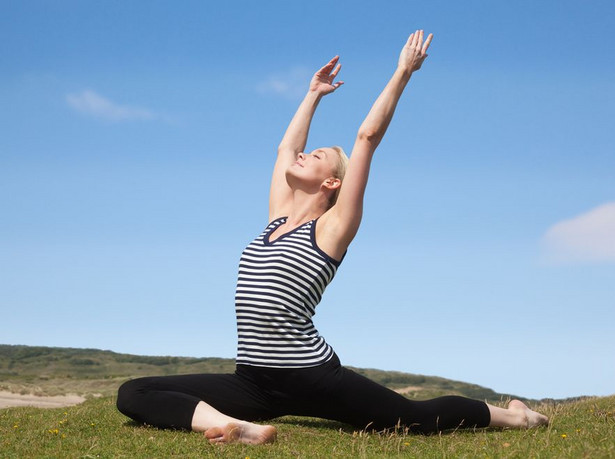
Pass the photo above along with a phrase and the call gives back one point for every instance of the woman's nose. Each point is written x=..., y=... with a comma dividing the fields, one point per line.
x=301, y=156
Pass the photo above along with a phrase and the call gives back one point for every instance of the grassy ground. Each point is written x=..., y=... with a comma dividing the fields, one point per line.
x=95, y=429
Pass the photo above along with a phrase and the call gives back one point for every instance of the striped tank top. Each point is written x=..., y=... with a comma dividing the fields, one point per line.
x=279, y=285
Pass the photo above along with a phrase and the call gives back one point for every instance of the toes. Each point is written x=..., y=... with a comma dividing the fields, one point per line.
x=213, y=432
x=214, y=435
x=228, y=434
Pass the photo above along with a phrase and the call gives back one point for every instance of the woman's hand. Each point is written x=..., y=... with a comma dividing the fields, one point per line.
x=414, y=52
x=322, y=81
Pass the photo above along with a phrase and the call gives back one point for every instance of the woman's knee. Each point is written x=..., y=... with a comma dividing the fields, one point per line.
x=128, y=394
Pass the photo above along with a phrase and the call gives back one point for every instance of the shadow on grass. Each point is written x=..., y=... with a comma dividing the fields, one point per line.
x=317, y=423
x=141, y=425
x=287, y=420
x=314, y=423
x=131, y=423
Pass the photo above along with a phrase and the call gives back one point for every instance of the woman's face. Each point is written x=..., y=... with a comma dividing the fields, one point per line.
x=315, y=167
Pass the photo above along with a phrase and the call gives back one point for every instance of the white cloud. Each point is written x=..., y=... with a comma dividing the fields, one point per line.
x=91, y=103
x=292, y=84
x=589, y=237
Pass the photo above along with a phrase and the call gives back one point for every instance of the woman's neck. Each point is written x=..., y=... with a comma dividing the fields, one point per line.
x=306, y=207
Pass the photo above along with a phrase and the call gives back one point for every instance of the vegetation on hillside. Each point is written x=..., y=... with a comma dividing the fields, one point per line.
x=53, y=371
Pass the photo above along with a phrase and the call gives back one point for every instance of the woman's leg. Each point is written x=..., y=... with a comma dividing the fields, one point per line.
x=351, y=398
x=197, y=402
x=367, y=404
x=370, y=405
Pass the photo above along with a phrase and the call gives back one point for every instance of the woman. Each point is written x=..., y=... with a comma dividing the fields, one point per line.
x=284, y=367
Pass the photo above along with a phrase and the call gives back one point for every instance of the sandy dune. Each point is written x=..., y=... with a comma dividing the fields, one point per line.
x=9, y=399
x=405, y=390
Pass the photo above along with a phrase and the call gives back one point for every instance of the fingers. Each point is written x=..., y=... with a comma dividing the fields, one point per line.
x=331, y=63
x=410, y=38
x=416, y=40
x=336, y=71
x=326, y=69
x=427, y=43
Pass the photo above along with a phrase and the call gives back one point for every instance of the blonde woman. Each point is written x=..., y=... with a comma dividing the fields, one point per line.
x=283, y=365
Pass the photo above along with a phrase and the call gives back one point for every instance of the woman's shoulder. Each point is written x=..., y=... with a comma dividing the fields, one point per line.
x=328, y=237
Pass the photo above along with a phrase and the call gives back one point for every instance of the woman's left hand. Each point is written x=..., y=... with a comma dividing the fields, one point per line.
x=414, y=52
x=322, y=81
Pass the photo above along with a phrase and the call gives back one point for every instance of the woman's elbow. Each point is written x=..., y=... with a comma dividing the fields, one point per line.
x=372, y=136
x=285, y=150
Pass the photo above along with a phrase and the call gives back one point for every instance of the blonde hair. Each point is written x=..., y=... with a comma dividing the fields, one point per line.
x=339, y=172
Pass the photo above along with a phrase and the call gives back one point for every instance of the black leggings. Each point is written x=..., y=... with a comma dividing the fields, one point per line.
x=328, y=391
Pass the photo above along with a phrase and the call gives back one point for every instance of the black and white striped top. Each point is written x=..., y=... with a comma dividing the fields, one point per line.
x=280, y=283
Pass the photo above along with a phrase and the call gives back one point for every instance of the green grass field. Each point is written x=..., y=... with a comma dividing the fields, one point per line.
x=582, y=429
x=579, y=428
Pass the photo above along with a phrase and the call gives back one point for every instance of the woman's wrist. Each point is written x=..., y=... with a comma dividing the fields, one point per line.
x=314, y=96
x=404, y=72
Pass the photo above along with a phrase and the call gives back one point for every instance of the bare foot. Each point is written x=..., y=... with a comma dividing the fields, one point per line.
x=528, y=417
x=242, y=432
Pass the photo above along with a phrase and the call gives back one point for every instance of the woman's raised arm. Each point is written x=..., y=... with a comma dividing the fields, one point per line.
x=343, y=219
x=295, y=138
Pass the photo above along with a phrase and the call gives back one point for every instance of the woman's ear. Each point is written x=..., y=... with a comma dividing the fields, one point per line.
x=333, y=183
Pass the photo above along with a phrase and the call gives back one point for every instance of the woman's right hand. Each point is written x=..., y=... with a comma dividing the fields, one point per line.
x=322, y=81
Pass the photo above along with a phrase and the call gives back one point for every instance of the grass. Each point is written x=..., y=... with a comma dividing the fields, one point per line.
x=96, y=429
x=579, y=428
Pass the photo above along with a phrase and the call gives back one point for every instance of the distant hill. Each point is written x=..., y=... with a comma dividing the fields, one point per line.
x=55, y=370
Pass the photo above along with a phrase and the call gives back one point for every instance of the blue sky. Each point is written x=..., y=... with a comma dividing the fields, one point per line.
x=137, y=141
